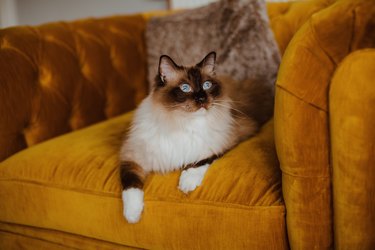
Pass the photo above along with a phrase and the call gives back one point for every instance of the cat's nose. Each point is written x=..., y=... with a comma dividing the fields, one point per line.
x=201, y=97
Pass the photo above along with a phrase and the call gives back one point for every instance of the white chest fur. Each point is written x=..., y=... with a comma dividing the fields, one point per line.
x=163, y=141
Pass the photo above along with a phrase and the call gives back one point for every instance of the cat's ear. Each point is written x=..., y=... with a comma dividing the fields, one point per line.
x=208, y=63
x=168, y=69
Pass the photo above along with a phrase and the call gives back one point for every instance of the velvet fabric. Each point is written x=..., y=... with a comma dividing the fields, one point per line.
x=90, y=81
x=61, y=77
x=13, y=236
x=59, y=186
x=287, y=17
x=352, y=120
x=239, y=204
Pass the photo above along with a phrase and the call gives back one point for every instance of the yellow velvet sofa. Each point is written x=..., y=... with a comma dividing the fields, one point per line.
x=65, y=92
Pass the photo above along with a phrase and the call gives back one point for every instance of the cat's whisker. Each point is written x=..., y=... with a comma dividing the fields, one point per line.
x=231, y=108
x=239, y=117
x=233, y=115
x=221, y=113
x=172, y=106
x=230, y=101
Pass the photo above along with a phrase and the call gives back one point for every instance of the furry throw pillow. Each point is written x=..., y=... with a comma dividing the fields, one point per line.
x=238, y=30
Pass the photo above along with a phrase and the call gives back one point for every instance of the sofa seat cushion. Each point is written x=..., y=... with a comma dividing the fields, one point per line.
x=71, y=184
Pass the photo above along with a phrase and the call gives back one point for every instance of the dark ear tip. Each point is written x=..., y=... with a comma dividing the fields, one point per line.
x=163, y=56
x=167, y=59
x=212, y=53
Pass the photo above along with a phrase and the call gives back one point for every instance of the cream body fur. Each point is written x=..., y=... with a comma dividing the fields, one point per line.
x=163, y=140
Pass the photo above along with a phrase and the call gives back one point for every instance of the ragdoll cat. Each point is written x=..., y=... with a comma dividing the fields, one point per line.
x=190, y=118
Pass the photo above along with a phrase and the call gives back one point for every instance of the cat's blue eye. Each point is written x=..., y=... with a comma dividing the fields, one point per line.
x=185, y=88
x=207, y=85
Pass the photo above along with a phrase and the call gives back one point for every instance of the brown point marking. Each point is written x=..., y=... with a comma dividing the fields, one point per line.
x=132, y=175
x=201, y=162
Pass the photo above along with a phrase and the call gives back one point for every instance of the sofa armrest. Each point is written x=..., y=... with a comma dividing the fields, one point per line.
x=352, y=126
x=63, y=76
x=302, y=115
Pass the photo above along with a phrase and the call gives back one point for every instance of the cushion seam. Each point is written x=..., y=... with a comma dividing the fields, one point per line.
x=302, y=176
x=52, y=185
x=35, y=238
x=55, y=230
x=112, y=195
x=313, y=31
x=299, y=98
x=216, y=204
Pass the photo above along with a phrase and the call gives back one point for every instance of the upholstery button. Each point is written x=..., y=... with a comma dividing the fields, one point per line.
x=45, y=77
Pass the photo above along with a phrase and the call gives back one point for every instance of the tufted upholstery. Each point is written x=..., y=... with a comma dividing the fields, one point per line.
x=287, y=17
x=100, y=72
x=60, y=77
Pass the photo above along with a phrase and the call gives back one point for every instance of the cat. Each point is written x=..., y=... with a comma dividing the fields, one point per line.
x=190, y=118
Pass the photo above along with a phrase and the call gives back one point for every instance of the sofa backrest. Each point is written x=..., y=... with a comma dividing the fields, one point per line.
x=287, y=17
x=64, y=76
x=59, y=77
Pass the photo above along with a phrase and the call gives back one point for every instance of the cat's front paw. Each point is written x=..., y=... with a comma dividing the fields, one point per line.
x=132, y=199
x=191, y=178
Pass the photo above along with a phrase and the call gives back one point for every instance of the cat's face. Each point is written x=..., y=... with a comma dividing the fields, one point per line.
x=187, y=89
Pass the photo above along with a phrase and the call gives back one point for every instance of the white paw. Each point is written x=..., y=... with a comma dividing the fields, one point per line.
x=132, y=200
x=191, y=178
